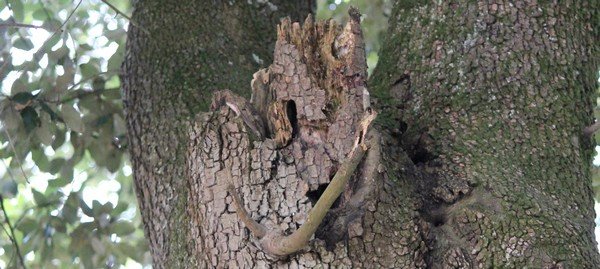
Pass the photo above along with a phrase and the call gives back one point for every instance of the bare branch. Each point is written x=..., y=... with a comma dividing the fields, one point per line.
x=134, y=23
x=83, y=93
x=276, y=244
x=286, y=245
x=12, y=237
x=23, y=25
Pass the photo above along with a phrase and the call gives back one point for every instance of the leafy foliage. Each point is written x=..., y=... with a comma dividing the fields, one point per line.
x=66, y=185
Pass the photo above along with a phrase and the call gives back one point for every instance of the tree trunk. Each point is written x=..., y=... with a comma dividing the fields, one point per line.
x=477, y=159
x=491, y=98
x=183, y=52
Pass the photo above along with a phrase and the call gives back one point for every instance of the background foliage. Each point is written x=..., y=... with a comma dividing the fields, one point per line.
x=66, y=186
x=66, y=190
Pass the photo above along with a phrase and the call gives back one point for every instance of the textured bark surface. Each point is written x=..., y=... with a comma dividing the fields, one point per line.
x=479, y=160
x=169, y=74
x=311, y=100
x=491, y=98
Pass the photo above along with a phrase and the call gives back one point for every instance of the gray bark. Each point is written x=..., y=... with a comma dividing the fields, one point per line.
x=478, y=159
x=313, y=97
x=491, y=99
x=191, y=48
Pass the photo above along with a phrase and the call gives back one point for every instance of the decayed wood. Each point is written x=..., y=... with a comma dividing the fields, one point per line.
x=277, y=244
x=292, y=165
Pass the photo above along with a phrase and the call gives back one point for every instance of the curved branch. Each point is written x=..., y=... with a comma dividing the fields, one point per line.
x=255, y=228
x=276, y=244
x=286, y=245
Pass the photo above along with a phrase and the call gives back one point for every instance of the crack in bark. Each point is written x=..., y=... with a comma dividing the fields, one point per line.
x=273, y=242
x=318, y=66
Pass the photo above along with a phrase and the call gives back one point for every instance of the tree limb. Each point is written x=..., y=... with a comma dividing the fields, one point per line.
x=23, y=25
x=12, y=237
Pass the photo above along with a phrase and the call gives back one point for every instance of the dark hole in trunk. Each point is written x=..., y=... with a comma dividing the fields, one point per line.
x=313, y=196
x=292, y=115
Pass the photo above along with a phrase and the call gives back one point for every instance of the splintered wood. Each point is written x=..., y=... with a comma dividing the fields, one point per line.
x=263, y=164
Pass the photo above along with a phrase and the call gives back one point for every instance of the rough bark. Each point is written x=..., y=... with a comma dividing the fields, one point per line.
x=490, y=100
x=479, y=160
x=309, y=104
x=190, y=49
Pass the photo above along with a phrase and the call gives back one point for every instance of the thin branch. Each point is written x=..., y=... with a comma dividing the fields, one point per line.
x=277, y=244
x=92, y=77
x=298, y=239
x=12, y=146
x=81, y=93
x=84, y=94
x=23, y=25
x=42, y=49
x=134, y=23
x=13, y=239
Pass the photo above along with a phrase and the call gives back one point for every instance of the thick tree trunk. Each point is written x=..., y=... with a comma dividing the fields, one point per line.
x=491, y=98
x=184, y=51
x=478, y=160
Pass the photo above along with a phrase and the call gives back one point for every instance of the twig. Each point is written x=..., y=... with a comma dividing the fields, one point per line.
x=42, y=49
x=84, y=94
x=12, y=146
x=92, y=77
x=12, y=237
x=134, y=23
x=23, y=25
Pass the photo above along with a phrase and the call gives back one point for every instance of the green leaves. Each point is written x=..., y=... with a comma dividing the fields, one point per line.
x=122, y=228
x=63, y=114
x=17, y=8
x=30, y=118
x=72, y=118
x=23, y=43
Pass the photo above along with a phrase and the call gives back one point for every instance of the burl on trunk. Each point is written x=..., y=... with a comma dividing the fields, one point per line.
x=270, y=171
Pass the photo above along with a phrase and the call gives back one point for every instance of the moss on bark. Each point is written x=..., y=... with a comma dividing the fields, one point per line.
x=190, y=49
x=497, y=97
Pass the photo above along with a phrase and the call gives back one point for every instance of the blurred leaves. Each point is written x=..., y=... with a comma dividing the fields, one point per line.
x=62, y=130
